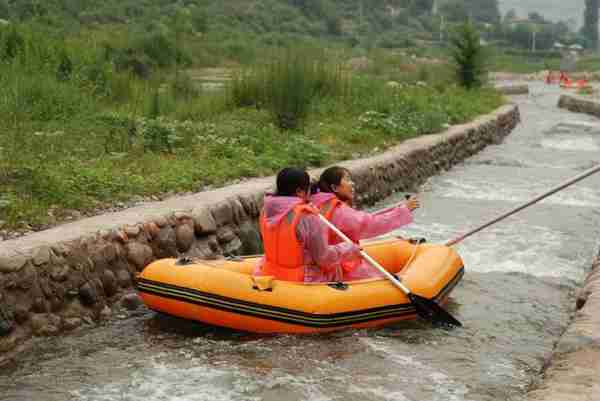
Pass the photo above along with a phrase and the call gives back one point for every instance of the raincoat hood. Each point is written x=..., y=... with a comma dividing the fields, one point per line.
x=277, y=207
x=321, y=197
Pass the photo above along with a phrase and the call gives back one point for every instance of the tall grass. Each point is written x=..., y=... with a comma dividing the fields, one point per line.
x=288, y=85
x=78, y=132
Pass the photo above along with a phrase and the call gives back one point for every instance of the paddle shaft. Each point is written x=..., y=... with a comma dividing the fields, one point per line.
x=389, y=208
x=366, y=256
x=560, y=187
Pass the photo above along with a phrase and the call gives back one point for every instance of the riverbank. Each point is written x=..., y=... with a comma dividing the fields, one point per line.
x=580, y=104
x=572, y=372
x=53, y=172
x=58, y=279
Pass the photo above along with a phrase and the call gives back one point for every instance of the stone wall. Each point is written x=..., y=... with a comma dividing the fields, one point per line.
x=513, y=89
x=572, y=373
x=579, y=104
x=78, y=273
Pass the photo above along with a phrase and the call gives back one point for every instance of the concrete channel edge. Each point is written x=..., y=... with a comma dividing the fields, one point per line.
x=572, y=372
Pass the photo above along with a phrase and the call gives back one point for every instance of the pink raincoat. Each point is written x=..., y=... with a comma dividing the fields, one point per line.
x=359, y=225
x=322, y=261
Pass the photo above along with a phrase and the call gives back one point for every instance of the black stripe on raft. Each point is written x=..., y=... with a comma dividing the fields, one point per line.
x=233, y=305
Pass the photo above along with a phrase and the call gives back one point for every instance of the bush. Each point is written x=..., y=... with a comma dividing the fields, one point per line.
x=40, y=97
x=467, y=54
x=65, y=67
x=12, y=43
x=287, y=86
x=183, y=87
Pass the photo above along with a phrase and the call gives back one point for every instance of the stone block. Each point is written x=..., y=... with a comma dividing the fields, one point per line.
x=41, y=256
x=185, y=237
x=45, y=324
x=9, y=264
x=223, y=213
x=204, y=222
x=139, y=255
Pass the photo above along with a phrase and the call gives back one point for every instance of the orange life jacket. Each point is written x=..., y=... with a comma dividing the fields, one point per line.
x=327, y=209
x=284, y=255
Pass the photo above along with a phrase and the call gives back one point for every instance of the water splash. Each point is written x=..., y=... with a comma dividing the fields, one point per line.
x=569, y=142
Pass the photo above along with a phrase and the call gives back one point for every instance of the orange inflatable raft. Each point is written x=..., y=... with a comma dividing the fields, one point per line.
x=224, y=292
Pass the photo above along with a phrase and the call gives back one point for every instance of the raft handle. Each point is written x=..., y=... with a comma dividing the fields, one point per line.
x=340, y=286
x=184, y=261
x=233, y=258
x=256, y=288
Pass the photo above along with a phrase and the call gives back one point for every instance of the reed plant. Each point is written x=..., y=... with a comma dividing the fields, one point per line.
x=288, y=85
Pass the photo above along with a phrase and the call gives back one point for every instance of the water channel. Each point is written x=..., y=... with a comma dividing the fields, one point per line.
x=515, y=300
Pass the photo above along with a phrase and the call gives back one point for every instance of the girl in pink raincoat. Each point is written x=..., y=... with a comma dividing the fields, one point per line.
x=295, y=240
x=335, y=199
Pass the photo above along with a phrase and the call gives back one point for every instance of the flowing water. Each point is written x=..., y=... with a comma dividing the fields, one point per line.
x=515, y=301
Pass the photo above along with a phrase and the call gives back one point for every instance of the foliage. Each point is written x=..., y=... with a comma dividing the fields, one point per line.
x=590, y=23
x=455, y=10
x=100, y=102
x=288, y=85
x=88, y=163
x=486, y=11
x=476, y=11
x=467, y=54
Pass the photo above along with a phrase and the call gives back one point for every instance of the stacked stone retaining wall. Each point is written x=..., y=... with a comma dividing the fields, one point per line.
x=513, y=89
x=77, y=273
x=572, y=372
x=579, y=104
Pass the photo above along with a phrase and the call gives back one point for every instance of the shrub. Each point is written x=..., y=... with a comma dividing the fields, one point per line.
x=40, y=97
x=65, y=67
x=287, y=86
x=13, y=44
x=183, y=87
x=467, y=54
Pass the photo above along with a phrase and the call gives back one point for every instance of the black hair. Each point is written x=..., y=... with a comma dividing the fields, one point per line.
x=290, y=180
x=330, y=177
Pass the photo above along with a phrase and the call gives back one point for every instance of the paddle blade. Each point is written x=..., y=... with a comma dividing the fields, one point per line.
x=430, y=310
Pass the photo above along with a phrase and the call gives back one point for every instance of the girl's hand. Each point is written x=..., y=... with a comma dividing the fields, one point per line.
x=413, y=203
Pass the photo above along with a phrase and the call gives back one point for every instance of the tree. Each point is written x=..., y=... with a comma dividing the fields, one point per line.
x=483, y=10
x=590, y=23
x=536, y=17
x=510, y=16
x=467, y=53
x=418, y=7
x=521, y=35
x=455, y=10
x=4, y=10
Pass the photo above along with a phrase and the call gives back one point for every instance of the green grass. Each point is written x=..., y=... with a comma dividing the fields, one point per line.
x=590, y=63
x=520, y=64
x=86, y=162
x=85, y=134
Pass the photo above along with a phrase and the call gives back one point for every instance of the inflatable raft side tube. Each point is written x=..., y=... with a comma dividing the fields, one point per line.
x=213, y=301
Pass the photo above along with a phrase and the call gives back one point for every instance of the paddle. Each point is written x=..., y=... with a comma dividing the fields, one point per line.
x=389, y=208
x=426, y=308
x=562, y=186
